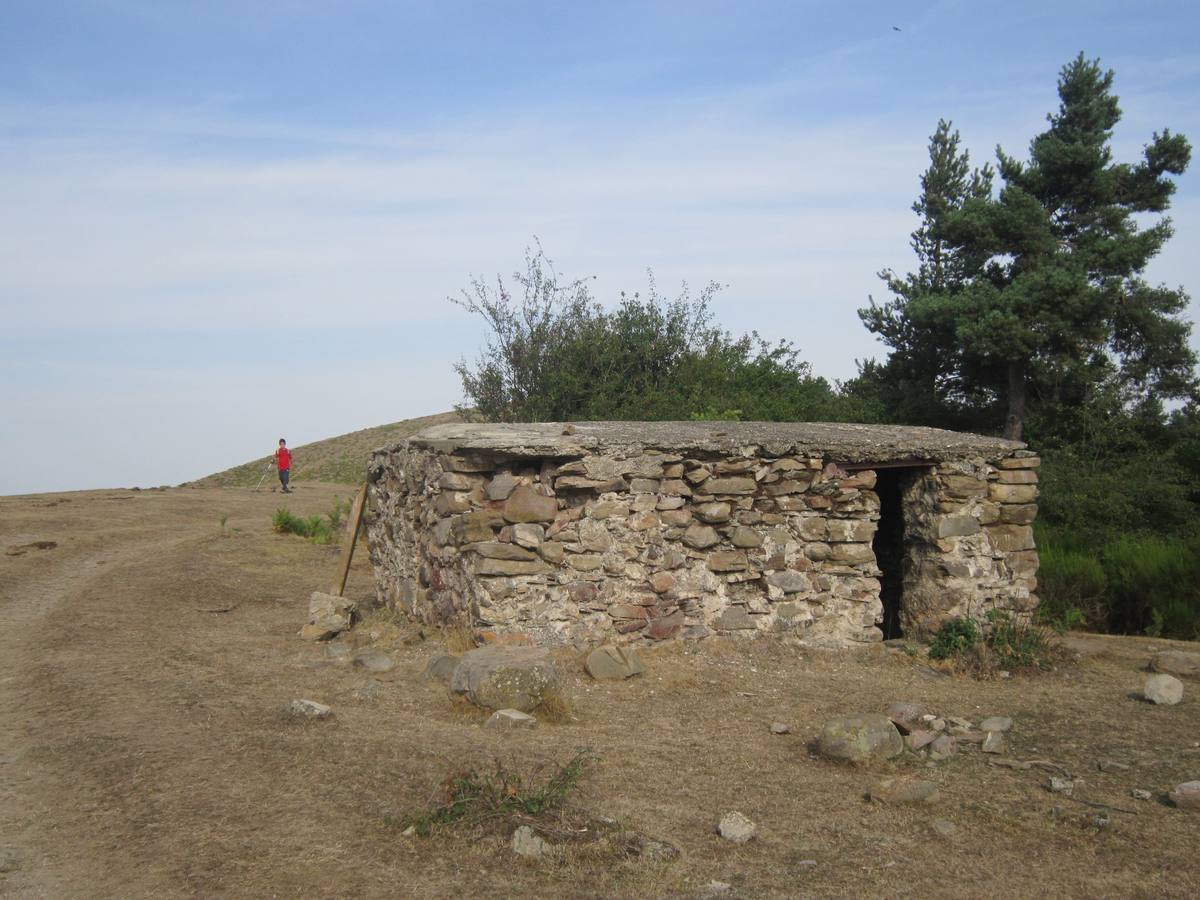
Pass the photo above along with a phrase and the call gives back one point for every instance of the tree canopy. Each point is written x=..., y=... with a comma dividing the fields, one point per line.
x=1037, y=293
x=555, y=354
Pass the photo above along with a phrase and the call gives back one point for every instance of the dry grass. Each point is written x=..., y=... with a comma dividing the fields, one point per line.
x=335, y=460
x=144, y=754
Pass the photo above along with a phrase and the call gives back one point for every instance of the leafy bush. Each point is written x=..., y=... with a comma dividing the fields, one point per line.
x=555, y=354
x=1018, y=645
x=317, y=528
x=473, y=796
x=954, y=638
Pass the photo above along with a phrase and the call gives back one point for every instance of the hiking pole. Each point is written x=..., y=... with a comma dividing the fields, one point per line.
x=265, y=473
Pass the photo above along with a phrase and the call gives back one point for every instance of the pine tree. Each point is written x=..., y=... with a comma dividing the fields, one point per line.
x=1045, y=294
x=920, y=378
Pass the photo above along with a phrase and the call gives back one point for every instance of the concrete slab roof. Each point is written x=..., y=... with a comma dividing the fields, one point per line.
x=841, y=442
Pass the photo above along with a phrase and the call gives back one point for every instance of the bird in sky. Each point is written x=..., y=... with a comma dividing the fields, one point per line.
x=895, y=28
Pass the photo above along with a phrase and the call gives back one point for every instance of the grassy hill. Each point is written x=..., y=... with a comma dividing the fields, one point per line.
x=341, y=460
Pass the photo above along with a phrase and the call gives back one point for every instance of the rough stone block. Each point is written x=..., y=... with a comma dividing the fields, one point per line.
x=1027, y=462
x=727, y=561
x=963, y=486
x=610, y=663
x=957, y=526
x=505, y=677
x=498, y=550
x=525, y=504
x=1012, y=493
x=852, y=554
x=510, y=567
x=1007, y=538
x=1016, y=476
x=733, y=485
x=860, y=739
x=1018, y=514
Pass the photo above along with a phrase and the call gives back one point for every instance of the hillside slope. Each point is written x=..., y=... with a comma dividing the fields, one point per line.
x=341, y=459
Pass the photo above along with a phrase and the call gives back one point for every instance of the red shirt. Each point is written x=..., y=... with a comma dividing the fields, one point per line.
x=283, y=459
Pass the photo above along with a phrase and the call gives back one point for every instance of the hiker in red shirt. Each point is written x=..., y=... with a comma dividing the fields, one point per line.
x=283, y=462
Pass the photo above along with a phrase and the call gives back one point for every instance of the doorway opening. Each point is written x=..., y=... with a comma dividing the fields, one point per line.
x=889, y=544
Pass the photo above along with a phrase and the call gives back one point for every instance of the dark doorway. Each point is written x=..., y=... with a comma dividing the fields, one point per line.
x=888, y=545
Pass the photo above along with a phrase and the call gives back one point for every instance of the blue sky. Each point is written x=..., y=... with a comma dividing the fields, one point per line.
x=225, y=222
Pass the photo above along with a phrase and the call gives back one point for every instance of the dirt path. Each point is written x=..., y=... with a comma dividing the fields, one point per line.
x=83, y=652
x=144, y=751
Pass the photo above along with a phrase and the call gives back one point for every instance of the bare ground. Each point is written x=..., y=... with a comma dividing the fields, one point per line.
x=144, y=751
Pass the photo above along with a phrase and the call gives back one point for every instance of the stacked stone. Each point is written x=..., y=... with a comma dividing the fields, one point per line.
x=969, y=540
x=651, y=544
x=570, y=543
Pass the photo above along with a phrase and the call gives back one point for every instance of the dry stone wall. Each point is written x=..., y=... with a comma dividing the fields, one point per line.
x=574, y=541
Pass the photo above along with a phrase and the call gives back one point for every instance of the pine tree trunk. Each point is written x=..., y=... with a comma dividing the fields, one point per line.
x=1014, y=425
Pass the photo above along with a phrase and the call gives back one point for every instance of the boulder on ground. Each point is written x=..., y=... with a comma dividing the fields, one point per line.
x=736, y=827
x=904, y=790
x=611, y=663
x=505, y=677
x=309, y=709
x=995, y=723
x=374, y=661
x=1186, y=795
x=905, y=715
x=860, y=738
x=1176, y=662
x=441, y=667
x=1165, y=690
x=943, y=747
x=510, y=719
x=330, y=612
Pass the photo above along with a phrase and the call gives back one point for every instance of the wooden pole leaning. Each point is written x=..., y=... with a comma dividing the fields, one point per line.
x=351, y=538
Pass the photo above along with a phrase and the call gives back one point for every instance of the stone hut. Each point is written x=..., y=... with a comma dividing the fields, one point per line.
x=652, y=530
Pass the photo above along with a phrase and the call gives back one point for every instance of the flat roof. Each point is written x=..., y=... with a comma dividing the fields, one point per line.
x=843, y=442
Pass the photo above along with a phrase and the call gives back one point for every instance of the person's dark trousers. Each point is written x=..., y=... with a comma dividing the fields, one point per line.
x=284, y=475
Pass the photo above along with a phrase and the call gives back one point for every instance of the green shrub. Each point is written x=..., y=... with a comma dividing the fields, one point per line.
x=1072, y=584
x=954, y=638
x=1153, y=586
x=317, y=529
x=1018, y=645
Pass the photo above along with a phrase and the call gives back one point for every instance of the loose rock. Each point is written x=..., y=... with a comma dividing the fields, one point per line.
x=995, y=723
x=510, y=719
x=780, y=728
x=1139, y=794
x=943, y=747
x=905, y=715
x=526, y=843
x=736, y=827
x=904, y=790
x=1176, y=662
x=993, y=743
x=1059, y=785
x=374, y=661
x=441, y=667
x=309, y=709
x=860, y=738
x=10, y=859
x=611, y=663
x=944, y=827
x=505, y=677
x=1186, y=795
x=1164, y=690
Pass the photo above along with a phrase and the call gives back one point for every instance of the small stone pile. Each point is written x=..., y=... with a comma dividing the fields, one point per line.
x=939, y=737
x=907, y=726
x=328, y=616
